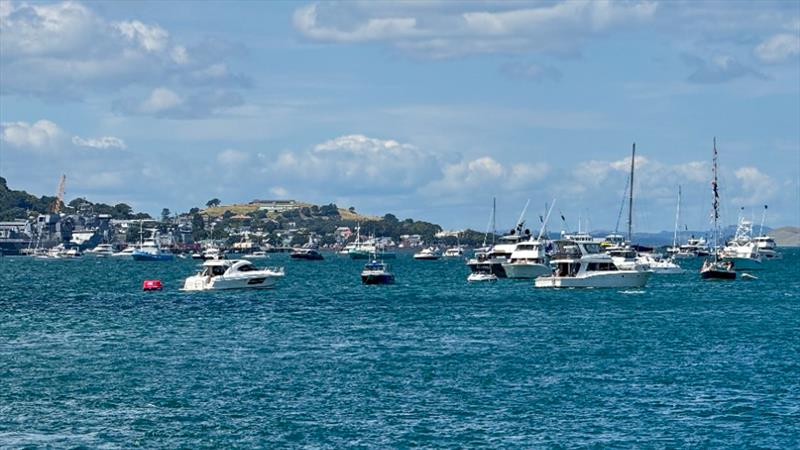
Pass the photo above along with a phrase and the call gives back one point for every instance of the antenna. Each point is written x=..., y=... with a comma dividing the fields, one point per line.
x=763, y=215
x=520, y=221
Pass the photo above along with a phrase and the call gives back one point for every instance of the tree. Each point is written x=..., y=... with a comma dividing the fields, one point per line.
x=165, y=214
x=213, y=203
x=194, y=211
x=122, y=211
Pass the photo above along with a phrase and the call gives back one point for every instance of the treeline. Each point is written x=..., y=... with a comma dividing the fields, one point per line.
x=20, y=205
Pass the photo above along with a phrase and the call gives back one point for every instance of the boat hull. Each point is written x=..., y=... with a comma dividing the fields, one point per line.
x=377, y=279
x=713, y=274
x=526, y=271
x=222, y=283
x=495, y=267
x=307, y=256
x=618, y=279
x=427, y=257
x=152, y=257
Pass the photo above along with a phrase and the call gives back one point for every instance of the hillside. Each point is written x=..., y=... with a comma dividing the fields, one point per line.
x=18, y=204
x=786, y=236
x=249, y=209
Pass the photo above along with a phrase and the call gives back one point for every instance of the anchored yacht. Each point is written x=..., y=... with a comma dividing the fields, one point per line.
x=741, y=251
x=582, y=265
x=430, y=253
x=221, y=274
x=528, y=260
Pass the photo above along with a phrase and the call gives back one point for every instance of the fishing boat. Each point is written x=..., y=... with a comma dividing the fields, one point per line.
x=429, y=253
x=376, y=272
x=741, y=251
x=150, y=250
x=583, y=265
x=529, y=259
x=224, y=274
x=714, y=269
x=126, y=252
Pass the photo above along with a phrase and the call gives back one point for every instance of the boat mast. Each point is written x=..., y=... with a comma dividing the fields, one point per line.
x=630, y=197
x=763, y=216
x=494, y=218
x=677, y=219
x=715, y=202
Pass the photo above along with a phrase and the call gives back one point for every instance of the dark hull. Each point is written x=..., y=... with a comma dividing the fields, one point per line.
x=496, y=268
x=377, y=279
x=718, y=275
x=306, y=256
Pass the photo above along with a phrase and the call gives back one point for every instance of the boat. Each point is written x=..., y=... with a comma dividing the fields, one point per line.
x=429, y=253
x=376, y=272
x=714, y=269
x=482, y=273
x=583, y=265
x=765, y=245
x=258, y=254
x=659, y=265
x=529, y=259
x=102, y=250
x=675, y=249
x=126, y=252
x=741, y=251
x=151, y=251
x=306, y=253
x=500, y=252
x=224, y=274
x=454, y=252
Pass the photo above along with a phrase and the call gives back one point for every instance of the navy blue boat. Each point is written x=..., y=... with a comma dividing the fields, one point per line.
x=376, y=272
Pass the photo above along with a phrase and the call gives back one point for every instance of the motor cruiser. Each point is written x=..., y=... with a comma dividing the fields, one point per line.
x=482, y=273
x=223, y=274
x=582, y=265
x=454, y=252
x=150, y=250
x=306, y=253
x=102, y=250
x=742, y=251
x=430, y=253
x=528, y=260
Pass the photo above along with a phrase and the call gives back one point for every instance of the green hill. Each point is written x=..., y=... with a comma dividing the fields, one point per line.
x=786, y=236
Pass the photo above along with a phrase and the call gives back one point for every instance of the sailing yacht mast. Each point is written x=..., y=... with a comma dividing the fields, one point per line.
x=763, y=216
x=677, y=219
x=494, y=218
x=715, y=202
x=630, y=197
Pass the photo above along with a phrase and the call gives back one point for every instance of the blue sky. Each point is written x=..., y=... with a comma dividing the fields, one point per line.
x=422, y=109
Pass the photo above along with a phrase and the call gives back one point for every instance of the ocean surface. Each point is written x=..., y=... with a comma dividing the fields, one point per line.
x=88, y=359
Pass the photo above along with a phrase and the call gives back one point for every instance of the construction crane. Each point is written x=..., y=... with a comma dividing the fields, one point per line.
x=56, y=208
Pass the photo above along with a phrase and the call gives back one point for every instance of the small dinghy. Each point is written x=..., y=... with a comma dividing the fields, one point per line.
x=747, y=276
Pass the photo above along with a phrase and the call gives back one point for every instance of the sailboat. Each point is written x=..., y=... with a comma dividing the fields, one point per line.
x=713, y=269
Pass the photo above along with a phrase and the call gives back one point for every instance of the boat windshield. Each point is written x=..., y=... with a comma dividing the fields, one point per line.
x=592, y=247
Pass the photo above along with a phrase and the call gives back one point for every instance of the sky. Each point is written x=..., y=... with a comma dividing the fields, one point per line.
x=424, y=109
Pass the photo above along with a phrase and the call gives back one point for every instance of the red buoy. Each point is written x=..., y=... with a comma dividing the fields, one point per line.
x=152, y=285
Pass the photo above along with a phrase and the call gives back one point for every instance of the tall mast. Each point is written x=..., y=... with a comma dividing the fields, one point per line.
x=763, y=216
x=715, y=202
x=494, y=218
x=677, y=219
x=630, y=197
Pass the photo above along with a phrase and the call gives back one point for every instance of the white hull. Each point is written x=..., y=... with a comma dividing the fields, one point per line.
x=517, y=270
x=203, y=283
x=617, y=279
x=474, y=277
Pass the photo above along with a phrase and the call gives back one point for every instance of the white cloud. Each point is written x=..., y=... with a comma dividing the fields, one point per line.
x=279, y=192
x=452, y=29
x=150, y=38
x=104, y=142
x=160, y=99
x=756, y=187
x=487, y=173
x=65, y=51
x=233, y=157
x=779, y=48
x=39, y=135
x=358, y=164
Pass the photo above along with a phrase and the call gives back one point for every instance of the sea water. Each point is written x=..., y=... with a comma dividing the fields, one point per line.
x=88, y=359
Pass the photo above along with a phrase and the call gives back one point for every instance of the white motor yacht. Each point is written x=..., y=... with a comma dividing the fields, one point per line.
x=581, y=265
x=659, y=265
x=767, y=248
x=126, y=252
x=528, y=260
x=221, y=274
x=429, y=253
x=102, y=250
x=742, y=251
x=483, y=272
x=454, y=252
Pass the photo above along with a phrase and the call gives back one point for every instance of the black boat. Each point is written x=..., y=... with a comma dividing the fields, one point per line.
x=715, y=270
x=306, y=253
x=376, y=272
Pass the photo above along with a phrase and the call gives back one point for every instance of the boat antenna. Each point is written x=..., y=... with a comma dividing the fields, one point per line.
x=563, y=221
x=630, y=196
x=763, y=215
x=544, y=222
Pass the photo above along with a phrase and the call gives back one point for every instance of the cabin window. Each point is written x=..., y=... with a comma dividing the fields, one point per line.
x=247, y=268
x=217, y=270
